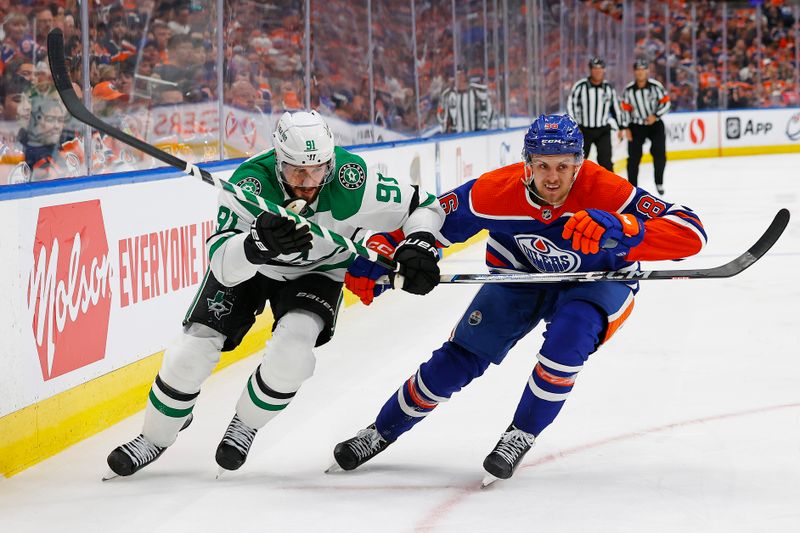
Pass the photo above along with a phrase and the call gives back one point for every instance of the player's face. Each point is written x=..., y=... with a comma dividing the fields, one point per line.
x=305, y=181
x=553, y=176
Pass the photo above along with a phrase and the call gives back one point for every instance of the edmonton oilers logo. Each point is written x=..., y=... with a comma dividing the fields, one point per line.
x=475, y=318
x=545, y=256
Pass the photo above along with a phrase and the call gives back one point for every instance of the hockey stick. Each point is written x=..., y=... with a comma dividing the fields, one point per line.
x=729, y=269
x=55, y=55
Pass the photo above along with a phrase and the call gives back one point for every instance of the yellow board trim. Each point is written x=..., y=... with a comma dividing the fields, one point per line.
x=41, y=430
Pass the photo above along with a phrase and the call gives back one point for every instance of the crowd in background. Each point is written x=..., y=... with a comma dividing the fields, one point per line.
x=148, y=57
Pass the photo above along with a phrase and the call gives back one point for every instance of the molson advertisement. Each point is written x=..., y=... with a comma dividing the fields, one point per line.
x=104, y=279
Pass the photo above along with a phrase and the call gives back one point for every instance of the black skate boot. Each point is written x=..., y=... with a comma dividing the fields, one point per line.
x=232, y=450
x=507, y=454
x=660, y=189
x=354, y=452
x=132, y=456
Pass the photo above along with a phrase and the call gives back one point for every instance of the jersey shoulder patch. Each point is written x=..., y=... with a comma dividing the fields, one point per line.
x=598, y=188
x=500, y=193
x=257, y=175
x=344, y=194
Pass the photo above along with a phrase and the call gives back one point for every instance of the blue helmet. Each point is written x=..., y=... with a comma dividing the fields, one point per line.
x=553, y=135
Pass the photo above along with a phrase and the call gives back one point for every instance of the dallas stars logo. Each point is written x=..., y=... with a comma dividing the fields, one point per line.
x=251, y=185
x=219, y=306
x=351, y=176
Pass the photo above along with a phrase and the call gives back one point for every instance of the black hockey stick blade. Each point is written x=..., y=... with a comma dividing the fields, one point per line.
x=58, y=67
x=729, y=269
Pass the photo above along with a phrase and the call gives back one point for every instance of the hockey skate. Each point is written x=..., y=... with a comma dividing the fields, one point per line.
x=354, y=452
x=129, y=458
x=506, y=455
x=660, y=189
x=234, y=446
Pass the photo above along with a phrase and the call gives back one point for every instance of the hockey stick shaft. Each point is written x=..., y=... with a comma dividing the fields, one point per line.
x=55, y=53
x=729, y=269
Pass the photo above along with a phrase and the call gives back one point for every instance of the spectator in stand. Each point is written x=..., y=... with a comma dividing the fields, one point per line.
x=107, y=100
x=16, y=103
x=180, y=21
x=161, y=35
x=167, y=94
x=244, y=96
x=180, y=54
x=18, y=42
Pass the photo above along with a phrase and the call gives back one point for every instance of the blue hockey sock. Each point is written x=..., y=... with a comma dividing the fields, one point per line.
x=449, y=369
x=572, y=335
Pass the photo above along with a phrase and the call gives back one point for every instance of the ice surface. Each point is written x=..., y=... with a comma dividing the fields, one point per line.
x=688, y=420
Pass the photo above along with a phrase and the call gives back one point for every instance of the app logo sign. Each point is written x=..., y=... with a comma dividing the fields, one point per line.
x=736, y=129
x=793, y=127
x=733, y=128
x=69, y=291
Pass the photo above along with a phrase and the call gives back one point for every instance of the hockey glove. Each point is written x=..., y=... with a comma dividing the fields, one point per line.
x=271, y=236
x=418, y=259
x=593, y=229
x=362, y=273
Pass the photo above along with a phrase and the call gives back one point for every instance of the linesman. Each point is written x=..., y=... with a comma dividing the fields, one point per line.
x=592, y=103
x=465, y=107
x=644, y=102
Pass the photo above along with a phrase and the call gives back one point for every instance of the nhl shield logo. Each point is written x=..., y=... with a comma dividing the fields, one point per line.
x=547, y=214
x=475, y=318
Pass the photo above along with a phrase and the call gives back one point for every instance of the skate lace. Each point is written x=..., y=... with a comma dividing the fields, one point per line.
x=513, y=444
x=141, y=450
x=239, y=435
x=367, y=442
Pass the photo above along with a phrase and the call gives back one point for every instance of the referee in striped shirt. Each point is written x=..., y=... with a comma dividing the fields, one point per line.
x=591, y=102
x=644, y=102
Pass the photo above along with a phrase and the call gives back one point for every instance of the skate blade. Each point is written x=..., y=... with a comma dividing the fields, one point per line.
x=110, y=475
x=488, y=480
x=221, y=471
x=334, y=468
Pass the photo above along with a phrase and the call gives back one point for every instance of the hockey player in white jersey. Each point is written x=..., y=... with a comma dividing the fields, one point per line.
x=257, y=257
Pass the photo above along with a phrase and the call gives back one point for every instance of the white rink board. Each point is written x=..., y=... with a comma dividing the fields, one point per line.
x=177, y=214
x=760, y=127
x=466, y=157
x=689, y=132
